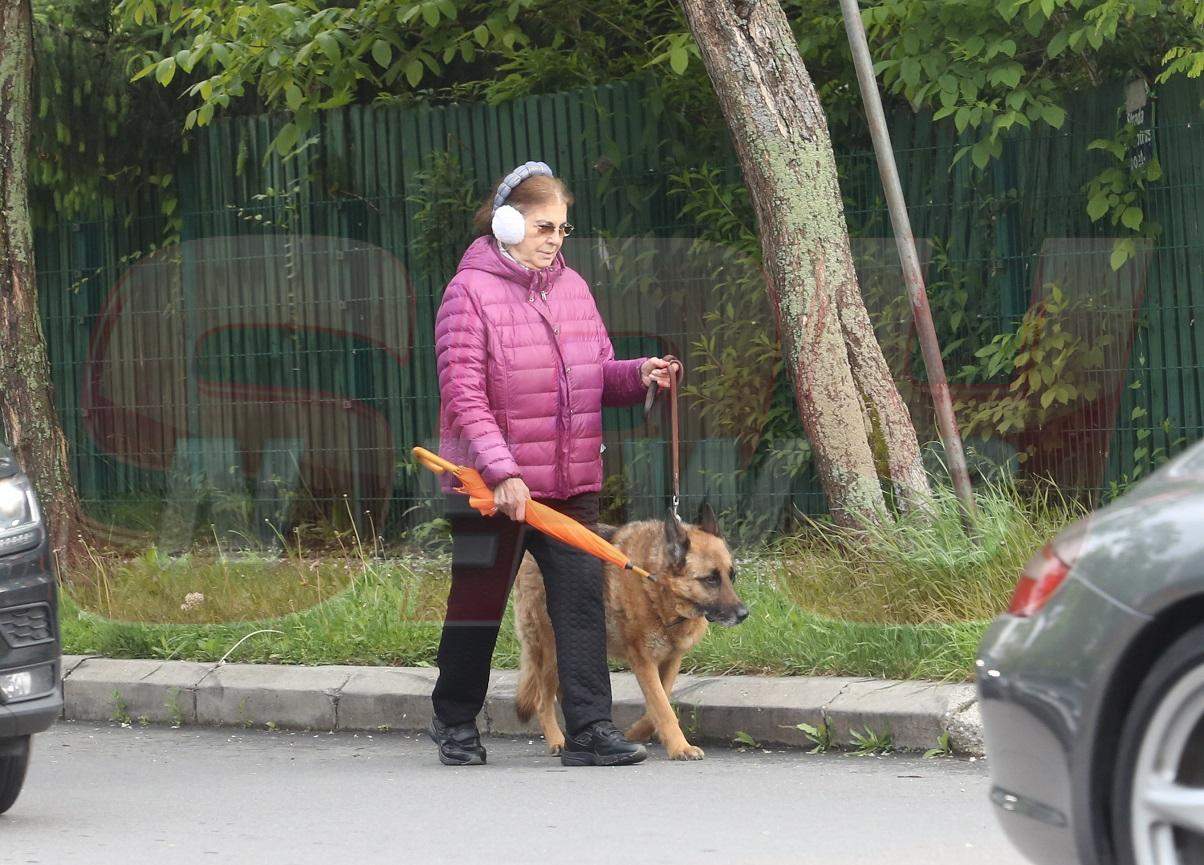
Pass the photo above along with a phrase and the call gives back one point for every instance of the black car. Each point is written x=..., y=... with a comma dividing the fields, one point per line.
x=1092, y=685
x=31, y=689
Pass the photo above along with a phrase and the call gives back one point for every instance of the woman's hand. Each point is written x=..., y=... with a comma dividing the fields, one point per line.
x=511, y=497
x=656, y=369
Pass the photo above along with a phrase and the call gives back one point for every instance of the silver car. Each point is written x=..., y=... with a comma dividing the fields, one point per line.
x=1092, y=685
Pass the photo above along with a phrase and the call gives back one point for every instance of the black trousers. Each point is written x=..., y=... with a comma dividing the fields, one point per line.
x=486, y=552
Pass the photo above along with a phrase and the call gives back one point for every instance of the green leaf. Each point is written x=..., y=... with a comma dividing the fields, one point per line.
x=382, y=53
x=287, y=138
x=430, y=14
x=679, y=59
x=1120, y=253
x=146, y=70
x=481, y=34
x=329, y=45
x=1113, y=147
x=1054, y=115
x=1058, y=44
x=981, y=154
x=1131, y=218
x=414, y=72
x=1009, y=75
x=293, y=96
x=448, y=9
x=1097, y=206
x=1002, y=46
x=165, y=71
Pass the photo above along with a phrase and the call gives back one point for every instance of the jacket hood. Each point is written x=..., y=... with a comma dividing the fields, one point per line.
x=483, y=254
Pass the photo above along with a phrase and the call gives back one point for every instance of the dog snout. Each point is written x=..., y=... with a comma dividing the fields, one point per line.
x=730, y=616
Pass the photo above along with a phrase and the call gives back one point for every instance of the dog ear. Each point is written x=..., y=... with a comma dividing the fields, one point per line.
x=707, y=521
x=677, y=542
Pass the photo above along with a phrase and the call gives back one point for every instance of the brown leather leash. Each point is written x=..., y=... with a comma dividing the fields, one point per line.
x=676, y=371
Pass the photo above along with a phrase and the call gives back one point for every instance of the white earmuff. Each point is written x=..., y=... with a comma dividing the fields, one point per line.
x=509, y=226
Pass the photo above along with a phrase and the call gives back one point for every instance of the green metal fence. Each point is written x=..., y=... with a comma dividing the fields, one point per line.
x=275, y=366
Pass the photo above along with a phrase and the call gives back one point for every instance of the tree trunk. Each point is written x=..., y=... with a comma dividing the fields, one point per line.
x=30, y=422
x=892, y=434
x=782, y=140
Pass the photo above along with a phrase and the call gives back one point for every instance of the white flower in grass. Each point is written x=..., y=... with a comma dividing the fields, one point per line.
x=192, y=600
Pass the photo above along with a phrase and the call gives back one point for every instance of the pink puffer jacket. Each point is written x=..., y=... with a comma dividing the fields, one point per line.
x=525, y=366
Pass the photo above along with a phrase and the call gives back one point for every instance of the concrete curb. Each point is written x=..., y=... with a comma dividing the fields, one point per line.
x=711, y=708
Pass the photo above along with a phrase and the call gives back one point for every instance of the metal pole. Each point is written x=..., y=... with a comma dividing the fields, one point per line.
x=912, y=275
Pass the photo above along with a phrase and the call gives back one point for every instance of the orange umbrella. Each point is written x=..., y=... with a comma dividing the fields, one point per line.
x=540, y=516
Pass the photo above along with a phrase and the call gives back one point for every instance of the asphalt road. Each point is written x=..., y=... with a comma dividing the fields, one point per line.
x=101, y=794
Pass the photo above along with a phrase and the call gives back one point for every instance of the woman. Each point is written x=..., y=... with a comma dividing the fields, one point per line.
x=525, y=366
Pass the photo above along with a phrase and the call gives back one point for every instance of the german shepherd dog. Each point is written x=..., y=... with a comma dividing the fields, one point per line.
x=649, y=624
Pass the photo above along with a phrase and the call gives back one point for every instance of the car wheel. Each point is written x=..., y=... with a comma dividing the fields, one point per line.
x=14, y=760
x=1158, y=791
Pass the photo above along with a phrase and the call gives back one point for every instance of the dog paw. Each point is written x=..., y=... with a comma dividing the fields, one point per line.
x=639, y=732
x=686, y=752
x=555, y=746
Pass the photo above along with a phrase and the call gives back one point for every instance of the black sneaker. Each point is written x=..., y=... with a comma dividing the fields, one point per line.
x=459, y=744
x=601, y=744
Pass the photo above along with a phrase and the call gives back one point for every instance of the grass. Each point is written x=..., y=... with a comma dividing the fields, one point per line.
x=909, y=602
x=924, y=572
x=203, y=589
x=390, y=613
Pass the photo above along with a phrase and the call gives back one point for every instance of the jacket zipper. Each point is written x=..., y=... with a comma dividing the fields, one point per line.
x=562, y=457
x=562, y=402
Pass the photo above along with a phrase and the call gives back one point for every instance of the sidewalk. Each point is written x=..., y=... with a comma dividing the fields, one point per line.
x=711, y=708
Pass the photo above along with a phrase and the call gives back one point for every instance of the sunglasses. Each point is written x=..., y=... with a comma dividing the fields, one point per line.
x=543, y=229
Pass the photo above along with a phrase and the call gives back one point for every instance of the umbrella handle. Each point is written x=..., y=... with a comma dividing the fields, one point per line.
x=434, y=462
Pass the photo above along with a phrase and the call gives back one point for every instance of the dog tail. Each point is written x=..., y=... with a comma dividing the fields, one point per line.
x=527, y=700
x=536, y=678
